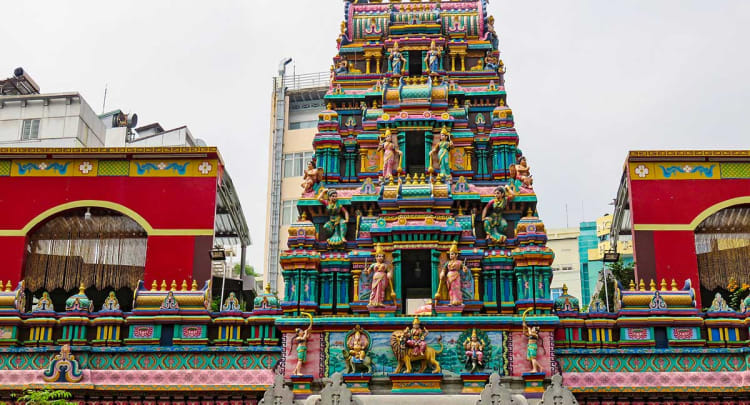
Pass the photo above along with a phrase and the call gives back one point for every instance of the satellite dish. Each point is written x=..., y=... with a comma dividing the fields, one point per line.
x=132, y=120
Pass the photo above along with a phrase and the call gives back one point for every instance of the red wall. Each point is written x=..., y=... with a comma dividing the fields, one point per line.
x=164, y=202
x=669, y=253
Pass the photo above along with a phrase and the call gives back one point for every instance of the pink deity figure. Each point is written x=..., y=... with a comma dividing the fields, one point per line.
x=474, y=351
x=312, y=176
x=523, y=174
x=416, y=337
x=382, y=278
x=391, y=154
x=450, y=278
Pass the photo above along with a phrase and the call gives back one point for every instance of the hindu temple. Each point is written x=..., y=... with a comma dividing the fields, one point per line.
x=417, y=269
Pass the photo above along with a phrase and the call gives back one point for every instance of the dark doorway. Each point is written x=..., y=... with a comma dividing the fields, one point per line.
x=416, y=279
x=415, y=151
x=415, y=63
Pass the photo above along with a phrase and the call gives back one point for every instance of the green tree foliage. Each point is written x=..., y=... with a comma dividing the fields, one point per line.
x=623, y=273
x=46, y=397
x=249, y=270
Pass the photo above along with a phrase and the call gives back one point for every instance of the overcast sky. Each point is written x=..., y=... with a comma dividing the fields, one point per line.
x=587, y=80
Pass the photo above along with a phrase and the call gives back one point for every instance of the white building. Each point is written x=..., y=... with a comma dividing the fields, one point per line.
x=29, y=119
x=565, y=267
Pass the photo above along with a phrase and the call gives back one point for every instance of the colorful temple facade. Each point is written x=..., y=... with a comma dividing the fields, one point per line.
x=418, y=265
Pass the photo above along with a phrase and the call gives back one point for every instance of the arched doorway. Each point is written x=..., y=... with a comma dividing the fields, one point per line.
x=100, y=248
x=722, y=246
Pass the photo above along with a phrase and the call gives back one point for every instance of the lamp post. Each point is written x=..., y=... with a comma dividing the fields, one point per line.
x=219, y=255
x=610, y=256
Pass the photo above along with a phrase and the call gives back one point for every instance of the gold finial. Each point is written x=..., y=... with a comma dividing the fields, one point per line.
x=408, y=179
x=328, y=106
x=194, y=287
x=374, y=103
x=184, y=285
x=154, y=286
x=460, y=209
x=173, y=286
x=267, y=288
x=81, y=288
x=663, y=285
x=529, y=212
x=632, y=285
x=163, y=286
x=455, y=102
x=652, y=285
x=641, y=285
x=565, y=289
x=454, y=248
x=674, y=285
x=8, y=286
x=421, y=179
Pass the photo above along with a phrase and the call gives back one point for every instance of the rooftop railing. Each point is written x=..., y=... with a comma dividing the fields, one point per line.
x=307, y=80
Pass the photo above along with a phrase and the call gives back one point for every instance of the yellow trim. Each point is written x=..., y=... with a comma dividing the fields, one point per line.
x=110, y=205
x=697, y=220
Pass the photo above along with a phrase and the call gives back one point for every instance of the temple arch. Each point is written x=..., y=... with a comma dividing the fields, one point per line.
x=101, y=248
x=722, y=247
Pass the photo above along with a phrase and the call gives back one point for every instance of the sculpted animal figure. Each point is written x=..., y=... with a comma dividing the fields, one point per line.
x=405, y=357
x=353, y=366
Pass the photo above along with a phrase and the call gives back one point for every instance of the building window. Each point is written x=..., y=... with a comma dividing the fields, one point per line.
x=30, y=130
x=556, y=293
x=288, y=212
x=303, y=124
x=295, y=163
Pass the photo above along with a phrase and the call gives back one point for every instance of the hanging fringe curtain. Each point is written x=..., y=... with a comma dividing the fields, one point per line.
x=722, y=244
x=108, y=250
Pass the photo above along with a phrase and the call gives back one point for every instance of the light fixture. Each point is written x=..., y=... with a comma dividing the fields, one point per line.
x=611, y=256
x=417, y=271
x=217, y=254
x=87, y=215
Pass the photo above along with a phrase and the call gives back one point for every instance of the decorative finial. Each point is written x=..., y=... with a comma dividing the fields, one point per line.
x=529, y=212
x=267, y=288
x=565, y=289
x=173, y=286
x=652, y=285
x=632, y=285
x=154, y=286
x=8, y=286
x=674, y=285
x=184, y=285
x=641, y=285
x=163, y=286
x=81, y=288
x=194, y=287
x=663, y=285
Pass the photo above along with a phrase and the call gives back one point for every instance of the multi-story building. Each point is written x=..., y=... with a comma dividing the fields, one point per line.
x=566, y=266
x=594, y=241
x=29, y=118
x=587, y=240
x=296, y=102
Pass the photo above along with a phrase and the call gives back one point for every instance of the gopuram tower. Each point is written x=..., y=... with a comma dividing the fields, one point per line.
x=418, y=255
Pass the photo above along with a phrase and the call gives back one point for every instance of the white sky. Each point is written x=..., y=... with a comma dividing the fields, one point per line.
x=587, y=80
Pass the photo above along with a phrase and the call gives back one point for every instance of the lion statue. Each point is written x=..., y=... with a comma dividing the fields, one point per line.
x=355, y=366
x=405, y=357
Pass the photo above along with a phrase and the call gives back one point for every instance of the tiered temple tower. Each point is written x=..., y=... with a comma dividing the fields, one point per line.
x=419, y=200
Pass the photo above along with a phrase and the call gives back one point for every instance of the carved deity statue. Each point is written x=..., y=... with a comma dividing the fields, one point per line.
x=520, y=174
x=338, y=217
x=312, y=176
x=391, y=154
x=492, y=215
x=443, y=151
x=491, y=62
x=432, y=59
x=355, y=352
x=474, y=351
x=532, y=332
x=416, y=338
x=382, y=278
x=451, y=277
x=300, y=338
x=397, y=60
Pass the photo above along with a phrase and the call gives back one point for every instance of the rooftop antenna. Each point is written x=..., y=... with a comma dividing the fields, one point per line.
x=104, y=102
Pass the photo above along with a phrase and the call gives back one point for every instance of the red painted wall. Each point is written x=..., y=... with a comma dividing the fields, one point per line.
x=672, y=253
x=164, y=202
